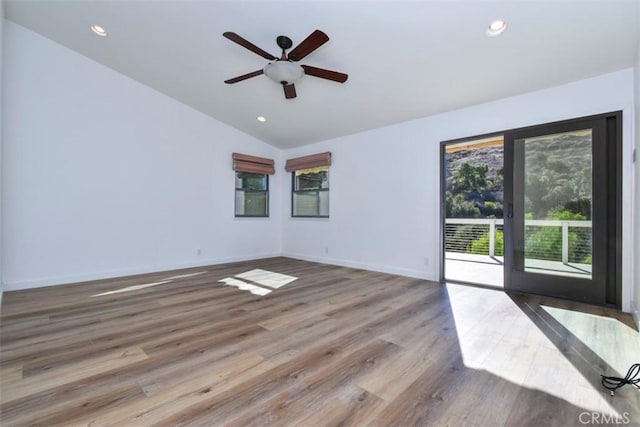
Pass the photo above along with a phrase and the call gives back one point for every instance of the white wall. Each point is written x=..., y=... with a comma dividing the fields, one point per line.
x=385, y=182
x=104, y=176
x=636, y=228
x=1, y=138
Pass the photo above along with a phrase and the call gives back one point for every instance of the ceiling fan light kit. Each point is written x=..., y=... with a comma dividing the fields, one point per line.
x=284, y=70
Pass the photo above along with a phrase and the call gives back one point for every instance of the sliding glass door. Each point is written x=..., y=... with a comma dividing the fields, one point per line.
x=561, y=218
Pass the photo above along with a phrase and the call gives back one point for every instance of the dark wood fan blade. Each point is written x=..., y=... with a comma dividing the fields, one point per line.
x=325, y=74
x=289, y=91
x=248, y=45
x=244, y=77
x=308, y=45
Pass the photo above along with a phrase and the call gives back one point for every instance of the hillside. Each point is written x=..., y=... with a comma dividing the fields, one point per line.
x=557, y=176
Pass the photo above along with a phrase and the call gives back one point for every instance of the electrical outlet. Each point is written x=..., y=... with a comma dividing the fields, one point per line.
x=199, y=251
x=326, y=250
x=426, y=261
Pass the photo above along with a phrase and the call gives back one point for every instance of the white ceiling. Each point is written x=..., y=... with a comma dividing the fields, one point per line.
x=405, y=59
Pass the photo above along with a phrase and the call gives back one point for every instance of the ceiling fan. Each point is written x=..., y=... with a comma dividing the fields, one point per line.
x=284, y=70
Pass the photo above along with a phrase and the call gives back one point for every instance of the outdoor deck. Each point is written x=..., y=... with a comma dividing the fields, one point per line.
x=487, y=270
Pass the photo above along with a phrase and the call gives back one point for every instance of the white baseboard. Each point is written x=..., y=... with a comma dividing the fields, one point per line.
x=84, y=277
x=365, y=266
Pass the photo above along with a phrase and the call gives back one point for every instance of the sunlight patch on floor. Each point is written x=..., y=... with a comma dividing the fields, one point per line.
x=497, y=336
x=184, y=276
x=603, y=335
x=149, y=285
x=244, y=286
x=267, y=278
x=259, y=282
x=132, y=288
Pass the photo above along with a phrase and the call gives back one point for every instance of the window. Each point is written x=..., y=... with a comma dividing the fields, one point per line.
x=252, y=185
x=310, y=192
x=252, y=194
x=310, y=185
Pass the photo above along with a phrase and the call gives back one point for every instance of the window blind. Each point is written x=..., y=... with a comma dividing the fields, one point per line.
x=252, y=164
x=306, y=162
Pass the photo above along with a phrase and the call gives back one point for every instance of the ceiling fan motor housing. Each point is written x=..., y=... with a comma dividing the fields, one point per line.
x=284, y=42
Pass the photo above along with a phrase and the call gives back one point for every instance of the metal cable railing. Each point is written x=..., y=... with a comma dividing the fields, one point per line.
x=553, y=240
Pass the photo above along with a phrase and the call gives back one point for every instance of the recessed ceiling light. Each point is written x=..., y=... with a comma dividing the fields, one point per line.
x=99, y=30
x=496, y=28
x=262, y=119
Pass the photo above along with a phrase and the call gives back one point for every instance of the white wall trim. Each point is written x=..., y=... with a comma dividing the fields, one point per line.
x=77, y=278
x=364, y=266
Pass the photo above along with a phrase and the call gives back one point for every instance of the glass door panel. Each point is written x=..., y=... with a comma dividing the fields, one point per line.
x=558, y=197
x=556, y=221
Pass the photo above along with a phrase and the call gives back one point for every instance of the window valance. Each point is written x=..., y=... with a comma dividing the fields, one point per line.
x=252, y=164
x=306, y=162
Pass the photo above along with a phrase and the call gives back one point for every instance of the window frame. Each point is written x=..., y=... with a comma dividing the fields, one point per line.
x=265, y=191
x=317, y=191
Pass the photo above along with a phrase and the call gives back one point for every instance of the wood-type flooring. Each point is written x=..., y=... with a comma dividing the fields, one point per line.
x=335, y=347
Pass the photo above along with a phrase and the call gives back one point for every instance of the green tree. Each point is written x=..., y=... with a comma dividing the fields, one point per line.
x=557, y=173
x=493, y=209
x=581, y=206
x=561, y=214
x=546, y=242
x=469, y=177
x=480, y=245
x=459, y=207
x=498, y=180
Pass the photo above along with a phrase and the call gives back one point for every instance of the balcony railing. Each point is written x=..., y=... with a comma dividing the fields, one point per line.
x=555, y=240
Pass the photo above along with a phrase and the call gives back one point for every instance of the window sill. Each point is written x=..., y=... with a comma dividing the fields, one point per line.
x=323, y=218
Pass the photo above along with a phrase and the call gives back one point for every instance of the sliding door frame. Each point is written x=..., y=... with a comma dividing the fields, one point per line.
x=613, y=131
x=443, y=207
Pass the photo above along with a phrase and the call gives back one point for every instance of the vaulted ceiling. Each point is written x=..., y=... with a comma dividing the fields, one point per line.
x=405, y=59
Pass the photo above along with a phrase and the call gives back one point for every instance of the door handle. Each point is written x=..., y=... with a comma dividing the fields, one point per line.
x=510, y=210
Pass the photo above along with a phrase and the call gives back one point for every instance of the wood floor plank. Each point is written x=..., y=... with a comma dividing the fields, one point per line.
x=84, y=369
x=58, y=408
x=351, y=407
x=144, y=334
x=238, y=400
x=401, y=372
x=306, y=397
x=10, y=373
x=335, y=347
x=154, y=408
